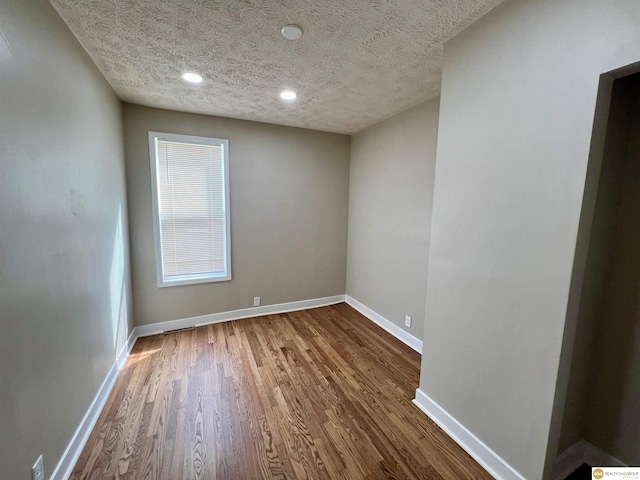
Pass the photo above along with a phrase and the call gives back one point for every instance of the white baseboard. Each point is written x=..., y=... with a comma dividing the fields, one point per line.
x=160, y=327
x=74, y=449
x=486, y=457
x=389, y=326
x=579, y=453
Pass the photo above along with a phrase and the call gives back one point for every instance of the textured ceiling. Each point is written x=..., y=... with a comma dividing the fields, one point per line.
x=359, y=61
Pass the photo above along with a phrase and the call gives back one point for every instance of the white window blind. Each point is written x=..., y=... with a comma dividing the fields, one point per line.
x=190, y=176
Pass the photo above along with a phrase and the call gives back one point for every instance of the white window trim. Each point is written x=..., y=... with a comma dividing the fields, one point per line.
x=188, y=279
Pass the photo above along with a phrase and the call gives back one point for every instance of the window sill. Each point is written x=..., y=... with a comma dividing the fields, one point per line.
x=193, y=280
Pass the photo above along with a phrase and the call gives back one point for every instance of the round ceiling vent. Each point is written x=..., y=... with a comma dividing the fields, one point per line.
x=291, y=32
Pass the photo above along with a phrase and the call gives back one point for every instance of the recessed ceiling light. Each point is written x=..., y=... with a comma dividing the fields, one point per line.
x=291, y=32
x=288, y=95
x=192, y=77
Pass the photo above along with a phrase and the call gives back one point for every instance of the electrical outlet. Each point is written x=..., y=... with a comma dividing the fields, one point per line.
x=407, y=321
x=37, y=471
x=256, y=301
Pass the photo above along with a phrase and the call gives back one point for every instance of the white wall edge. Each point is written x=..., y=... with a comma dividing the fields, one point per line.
x=480, y=452
x=71, y=454
x=402, y=335
x=160, y=327
x=579, y=453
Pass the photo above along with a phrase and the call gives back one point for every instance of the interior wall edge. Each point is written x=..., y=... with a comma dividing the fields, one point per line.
x=387, y=325
x=73, y=450
x=583, y=241
x=579, y=453
x=475, y=447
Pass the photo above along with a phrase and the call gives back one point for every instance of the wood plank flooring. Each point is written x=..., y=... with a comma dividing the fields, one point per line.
x=316, y=394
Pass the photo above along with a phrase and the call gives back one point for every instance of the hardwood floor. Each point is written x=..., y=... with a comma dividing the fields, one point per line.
x=316, y=394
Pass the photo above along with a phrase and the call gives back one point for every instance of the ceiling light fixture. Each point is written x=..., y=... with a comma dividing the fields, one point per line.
x=288, y=95
x=292, y=32
x=191, y=77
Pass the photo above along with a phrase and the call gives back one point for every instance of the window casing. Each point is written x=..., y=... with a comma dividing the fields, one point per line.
x=191, y=215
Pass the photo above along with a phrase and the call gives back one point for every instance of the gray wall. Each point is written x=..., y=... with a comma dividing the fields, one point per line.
x=517, y=109
x=64, y=278
x=289, y=201
x=390, y=197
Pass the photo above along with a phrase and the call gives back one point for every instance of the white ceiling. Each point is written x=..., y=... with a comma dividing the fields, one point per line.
x=358, y=62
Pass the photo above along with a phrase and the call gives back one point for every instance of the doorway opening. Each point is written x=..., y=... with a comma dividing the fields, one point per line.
x=601, y=418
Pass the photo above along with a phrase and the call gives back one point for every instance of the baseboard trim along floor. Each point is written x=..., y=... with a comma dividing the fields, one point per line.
x=74, y=449
x=480, y=452
x=79, y=439
x=402, y=335
x=160, y=327
x=579, y=453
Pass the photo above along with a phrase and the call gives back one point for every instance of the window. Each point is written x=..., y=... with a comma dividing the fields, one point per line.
x=190, y=186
